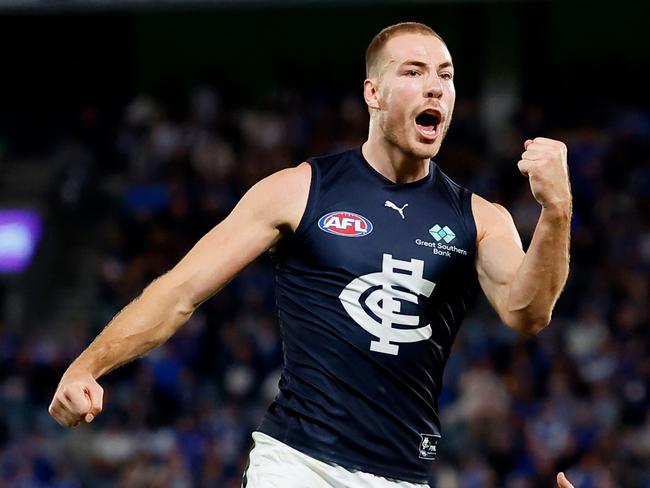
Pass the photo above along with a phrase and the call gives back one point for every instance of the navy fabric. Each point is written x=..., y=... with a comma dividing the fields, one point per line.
x=370, y=295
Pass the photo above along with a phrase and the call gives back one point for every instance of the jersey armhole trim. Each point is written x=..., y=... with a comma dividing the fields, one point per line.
x=311, y=198
x=470, y=219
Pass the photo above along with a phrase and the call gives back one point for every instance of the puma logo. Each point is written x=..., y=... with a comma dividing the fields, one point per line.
x=390, y=204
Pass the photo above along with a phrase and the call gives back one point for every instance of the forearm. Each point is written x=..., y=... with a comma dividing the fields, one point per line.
x=142, y=325
x=543, y=272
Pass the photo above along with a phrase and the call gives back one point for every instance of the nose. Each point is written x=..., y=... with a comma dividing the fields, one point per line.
x=434, y=87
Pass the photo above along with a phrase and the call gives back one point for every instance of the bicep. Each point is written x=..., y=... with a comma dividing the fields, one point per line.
x=499, y=252
x=270, y=208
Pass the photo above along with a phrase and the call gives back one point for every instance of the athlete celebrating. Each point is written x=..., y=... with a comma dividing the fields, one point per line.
x=377, y=255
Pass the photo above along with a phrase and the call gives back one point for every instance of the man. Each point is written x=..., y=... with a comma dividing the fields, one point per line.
x=378, y=255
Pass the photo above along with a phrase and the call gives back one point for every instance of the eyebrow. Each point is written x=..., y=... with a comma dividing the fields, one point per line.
x=421, y=64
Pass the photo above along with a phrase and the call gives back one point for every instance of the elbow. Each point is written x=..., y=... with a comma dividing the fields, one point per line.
x=184, y=303
x=177, y=297
x=528, y=324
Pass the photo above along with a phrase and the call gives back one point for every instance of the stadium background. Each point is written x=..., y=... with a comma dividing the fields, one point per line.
x=133, y=127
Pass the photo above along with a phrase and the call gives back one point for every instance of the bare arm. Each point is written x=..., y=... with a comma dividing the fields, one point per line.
x=523, y=288
x=272, y=207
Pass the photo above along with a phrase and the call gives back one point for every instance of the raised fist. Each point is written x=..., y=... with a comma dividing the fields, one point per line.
x=544, y=162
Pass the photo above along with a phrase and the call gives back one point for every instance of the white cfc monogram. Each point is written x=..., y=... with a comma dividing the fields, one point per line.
x=395, y=277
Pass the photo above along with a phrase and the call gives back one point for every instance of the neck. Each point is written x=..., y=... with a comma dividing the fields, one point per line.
x=392, y=162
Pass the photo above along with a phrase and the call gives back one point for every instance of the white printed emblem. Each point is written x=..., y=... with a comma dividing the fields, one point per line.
x=428, y=446
x=385, y=303
x=399, y=210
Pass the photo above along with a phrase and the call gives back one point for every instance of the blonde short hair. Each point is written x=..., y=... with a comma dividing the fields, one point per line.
x=379, y=41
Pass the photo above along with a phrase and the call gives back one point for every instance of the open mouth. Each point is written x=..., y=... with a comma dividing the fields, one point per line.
x=427, y=123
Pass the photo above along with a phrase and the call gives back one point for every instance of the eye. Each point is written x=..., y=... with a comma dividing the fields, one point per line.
x=413, y=73
x=446, y=76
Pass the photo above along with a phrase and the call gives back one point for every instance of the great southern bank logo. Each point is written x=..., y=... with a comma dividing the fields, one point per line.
x=346, y=224
x=442, y=237
x=442, y=233
x=384, y=292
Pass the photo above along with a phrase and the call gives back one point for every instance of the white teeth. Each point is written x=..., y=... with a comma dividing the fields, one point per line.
x=428, y=132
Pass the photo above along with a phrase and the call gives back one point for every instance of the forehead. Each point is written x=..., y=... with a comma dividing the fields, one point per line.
x=424, y=48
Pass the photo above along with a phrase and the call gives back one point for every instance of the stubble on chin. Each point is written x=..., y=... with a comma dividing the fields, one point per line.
x=427, y=152
x=410, y=146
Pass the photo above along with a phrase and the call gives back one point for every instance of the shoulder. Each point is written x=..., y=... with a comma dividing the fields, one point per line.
x=331, y=164
x=291, y=179
x=491, y=218
x=284, y=184
x=283, y=195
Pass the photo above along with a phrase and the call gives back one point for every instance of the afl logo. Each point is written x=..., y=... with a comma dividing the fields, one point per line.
x=346, y=224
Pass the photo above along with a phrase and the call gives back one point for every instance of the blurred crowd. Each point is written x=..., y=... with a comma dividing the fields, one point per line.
x=515, y=410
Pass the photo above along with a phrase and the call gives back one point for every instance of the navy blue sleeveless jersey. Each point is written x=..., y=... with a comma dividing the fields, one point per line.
x=371, y=290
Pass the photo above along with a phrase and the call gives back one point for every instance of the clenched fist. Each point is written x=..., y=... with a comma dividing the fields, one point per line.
x=78, y=398
x=544, y=162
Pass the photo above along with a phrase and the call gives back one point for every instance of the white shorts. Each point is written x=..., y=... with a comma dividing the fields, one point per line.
x=273, y=464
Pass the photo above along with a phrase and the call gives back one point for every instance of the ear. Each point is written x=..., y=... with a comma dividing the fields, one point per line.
x=371, y=95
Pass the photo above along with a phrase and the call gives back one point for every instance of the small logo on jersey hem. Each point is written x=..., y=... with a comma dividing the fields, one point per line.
x=346, y=224
x=428, y=446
